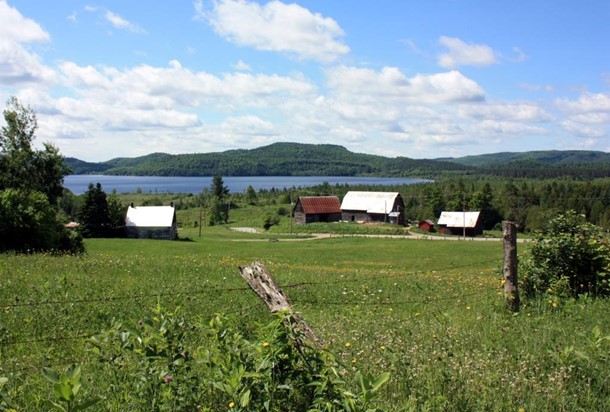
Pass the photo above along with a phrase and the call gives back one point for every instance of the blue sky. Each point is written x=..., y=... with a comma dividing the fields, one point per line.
x=419, y=79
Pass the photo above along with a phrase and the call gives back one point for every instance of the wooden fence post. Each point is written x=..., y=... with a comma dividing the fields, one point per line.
x=262, y=283
x=511, y=291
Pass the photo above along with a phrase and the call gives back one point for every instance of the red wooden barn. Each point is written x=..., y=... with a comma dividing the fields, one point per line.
x=310, y=209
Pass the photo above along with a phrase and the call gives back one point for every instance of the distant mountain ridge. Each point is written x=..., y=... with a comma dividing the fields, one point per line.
x=299, y=159
x=277, y=159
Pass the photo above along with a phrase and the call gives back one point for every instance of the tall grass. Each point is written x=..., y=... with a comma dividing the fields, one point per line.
x=429, y=312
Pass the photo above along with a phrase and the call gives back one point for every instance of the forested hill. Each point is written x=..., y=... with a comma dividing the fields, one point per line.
x=297, y=159
x=278, y=159
x=549, y=163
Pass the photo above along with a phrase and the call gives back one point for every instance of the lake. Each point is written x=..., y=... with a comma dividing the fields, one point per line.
x=78, y=184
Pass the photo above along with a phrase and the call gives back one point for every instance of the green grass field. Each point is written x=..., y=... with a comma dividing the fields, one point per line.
x=429, y=312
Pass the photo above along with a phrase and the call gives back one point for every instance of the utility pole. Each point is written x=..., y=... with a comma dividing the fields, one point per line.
x=464, y=213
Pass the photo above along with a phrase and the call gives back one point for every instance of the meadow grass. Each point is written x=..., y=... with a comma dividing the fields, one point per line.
x=429, y=312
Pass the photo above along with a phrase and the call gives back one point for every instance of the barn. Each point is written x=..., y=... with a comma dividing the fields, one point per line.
x=426, y=225
x=151, y=222
x=456, y=223
x=373, y=207
x=310, y=209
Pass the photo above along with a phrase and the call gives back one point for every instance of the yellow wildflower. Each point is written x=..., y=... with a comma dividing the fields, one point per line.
x=231, y=405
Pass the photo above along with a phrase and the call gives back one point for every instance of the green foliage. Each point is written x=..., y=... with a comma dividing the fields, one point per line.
x=272, y=370
x=150, y=360
x=30, y=184
x=570, y=257
x=65, y=388
x=29, y=223
x=22, y=167
x=101, y=215
x=271, y=220
x=430, y=313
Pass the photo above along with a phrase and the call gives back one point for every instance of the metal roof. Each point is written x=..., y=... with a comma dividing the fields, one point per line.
x=459, y=219
x=320, y=204
x=370, y=202
x=150, y=216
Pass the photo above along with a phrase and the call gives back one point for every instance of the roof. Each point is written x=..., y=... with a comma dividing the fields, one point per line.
x=370, y=202
x=150, y=216
x=320, y=204
x=459, y=219
x=428, y=221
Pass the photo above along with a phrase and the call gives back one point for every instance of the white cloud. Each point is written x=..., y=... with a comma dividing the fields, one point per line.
x=588, y=116
x=15, y=27
x=582, y=130
x=121, y=23
x=18, y=65
x=461, y=53
x=390, y=82
x=241, y=66
x=587, y=102
x=514, y=111
x=277, y=27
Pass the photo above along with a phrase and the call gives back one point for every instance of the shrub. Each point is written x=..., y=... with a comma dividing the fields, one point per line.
x=570, y=257
x=155, y=367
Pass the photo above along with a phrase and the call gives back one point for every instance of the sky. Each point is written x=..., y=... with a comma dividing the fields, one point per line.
x=413, y=78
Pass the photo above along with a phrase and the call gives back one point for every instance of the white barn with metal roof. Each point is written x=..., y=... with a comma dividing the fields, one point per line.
x=372, y=207
x=151, y=222
x=456, y=223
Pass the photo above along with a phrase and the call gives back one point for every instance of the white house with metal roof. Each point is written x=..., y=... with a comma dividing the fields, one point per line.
x=373, y=207
x=151, y=222
x=458, y=223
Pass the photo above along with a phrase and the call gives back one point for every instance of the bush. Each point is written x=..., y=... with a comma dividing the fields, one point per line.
x=569, y=258
x=28, y=223
x=155, y=367
x=271, y=220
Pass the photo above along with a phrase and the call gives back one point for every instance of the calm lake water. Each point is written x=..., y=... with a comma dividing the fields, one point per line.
x=161, y=184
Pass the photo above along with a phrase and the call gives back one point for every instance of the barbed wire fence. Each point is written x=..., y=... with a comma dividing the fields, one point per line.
x=53, y=337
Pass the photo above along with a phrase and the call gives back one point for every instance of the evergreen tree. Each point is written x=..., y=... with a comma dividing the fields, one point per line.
x=219, y=213
x=94, y=215
x=251, y=197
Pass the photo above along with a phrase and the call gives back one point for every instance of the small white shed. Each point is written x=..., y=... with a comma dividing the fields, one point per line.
x=151, y=222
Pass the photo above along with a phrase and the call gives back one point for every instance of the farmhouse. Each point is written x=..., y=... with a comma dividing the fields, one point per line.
x=373, y=207
x=310, y=209
x=426, y=225
x=456, y=223
x=151, y=222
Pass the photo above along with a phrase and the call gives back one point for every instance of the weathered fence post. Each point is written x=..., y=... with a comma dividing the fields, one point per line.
x=262, y=283
x=511, y=291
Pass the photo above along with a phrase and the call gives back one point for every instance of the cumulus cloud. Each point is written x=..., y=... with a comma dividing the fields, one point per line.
x=391, y=82
x=461, y=53
x=277, y=27
x=15, y=27
x=588, y=116
x=18, y=65
x=587, y=102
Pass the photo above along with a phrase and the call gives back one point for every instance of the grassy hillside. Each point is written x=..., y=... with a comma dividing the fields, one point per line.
x=429, y=312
